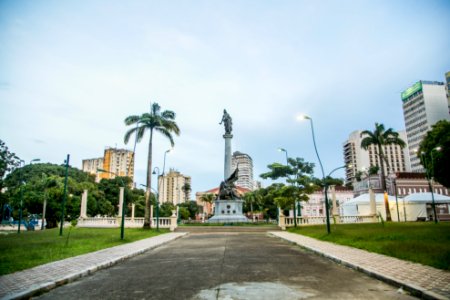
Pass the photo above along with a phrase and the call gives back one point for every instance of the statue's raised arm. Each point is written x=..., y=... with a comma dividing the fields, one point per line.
x=226, y=119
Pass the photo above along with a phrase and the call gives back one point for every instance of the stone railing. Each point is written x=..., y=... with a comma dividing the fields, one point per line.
x=303, y=221
x=111, y=222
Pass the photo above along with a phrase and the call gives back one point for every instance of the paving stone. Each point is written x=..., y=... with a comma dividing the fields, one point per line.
x=430, y=282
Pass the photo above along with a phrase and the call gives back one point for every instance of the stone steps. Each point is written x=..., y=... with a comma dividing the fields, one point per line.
x=201, y=229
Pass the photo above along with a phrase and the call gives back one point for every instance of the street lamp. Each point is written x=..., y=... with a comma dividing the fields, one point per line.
x=429, y=178
x=22, y=163
x=122, y=225
x=157, y=197
x=163, y=171
x=65, y=195
x=305, y=117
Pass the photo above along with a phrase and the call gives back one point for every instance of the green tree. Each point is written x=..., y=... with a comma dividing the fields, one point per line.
x=436, y=152
x=379, y=138
x=162, y=122
x=165, y=209
x=8, y=162
x=192, y=208
x=298, y=174
x=45, y=183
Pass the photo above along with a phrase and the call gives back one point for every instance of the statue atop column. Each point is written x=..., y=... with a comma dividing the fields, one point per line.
x=226, y=120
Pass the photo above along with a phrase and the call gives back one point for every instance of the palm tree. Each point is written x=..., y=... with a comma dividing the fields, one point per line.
x=186, y=188
x=162, y=122
x=379, y=138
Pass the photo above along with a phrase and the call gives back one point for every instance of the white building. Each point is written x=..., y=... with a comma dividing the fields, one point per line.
x=356, y=158
x=424, y=104
x=245, y=173
x=115, y=161
x=174, y=187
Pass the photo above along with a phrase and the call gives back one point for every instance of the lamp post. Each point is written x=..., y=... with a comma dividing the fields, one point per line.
x=163, y=171
x=428, y=175
x=157, y=196
x=396, y=197
x=122, y=223
x=64, y=196
x=22, y=163
x=305, y=117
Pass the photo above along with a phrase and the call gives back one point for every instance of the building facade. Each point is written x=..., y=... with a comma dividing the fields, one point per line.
x=357, y=159
x=174, y=187
x=115, y=161
x=424, y=104
x=315, y=206
x=245, y=165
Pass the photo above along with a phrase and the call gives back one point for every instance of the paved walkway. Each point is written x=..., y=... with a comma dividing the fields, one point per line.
x=427, y=282
x=25, y=283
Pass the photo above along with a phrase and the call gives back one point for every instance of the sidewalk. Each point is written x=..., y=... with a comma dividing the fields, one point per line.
x=24, y=284
x=423, y=281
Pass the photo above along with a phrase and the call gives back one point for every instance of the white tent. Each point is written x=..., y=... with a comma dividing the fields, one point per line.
x=360, y=206
x=414, y=206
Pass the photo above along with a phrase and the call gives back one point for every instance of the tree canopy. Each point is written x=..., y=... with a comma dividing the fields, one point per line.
x=436, y=152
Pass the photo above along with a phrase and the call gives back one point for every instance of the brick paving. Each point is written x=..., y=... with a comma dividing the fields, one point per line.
x=24, y=284
x=424, y=281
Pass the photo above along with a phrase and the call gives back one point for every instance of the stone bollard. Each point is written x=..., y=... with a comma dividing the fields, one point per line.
x=282, y=222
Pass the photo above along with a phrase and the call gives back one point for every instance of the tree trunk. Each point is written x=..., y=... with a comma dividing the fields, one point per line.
x=383, y=182
x=147, y=216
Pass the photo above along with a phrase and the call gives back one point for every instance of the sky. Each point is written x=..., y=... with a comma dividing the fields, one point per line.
x=72, y=71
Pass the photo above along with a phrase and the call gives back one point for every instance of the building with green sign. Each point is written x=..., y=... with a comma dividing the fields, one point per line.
x=424, y=103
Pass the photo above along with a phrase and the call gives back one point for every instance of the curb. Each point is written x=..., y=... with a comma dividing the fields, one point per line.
x=36, y=289
x=413, y=289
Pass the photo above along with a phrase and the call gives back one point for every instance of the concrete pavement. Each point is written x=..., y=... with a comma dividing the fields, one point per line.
x=425, y=281
x=24, y=284
x=227, y=265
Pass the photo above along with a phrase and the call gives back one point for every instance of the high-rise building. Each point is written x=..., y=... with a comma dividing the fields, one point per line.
x=174, y=187
x=356, y=158
x=116, y=161
x=91, y=165
x=424, y=104
x=245, y=165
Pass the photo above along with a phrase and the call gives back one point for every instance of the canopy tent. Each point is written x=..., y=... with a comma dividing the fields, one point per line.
x=410, y=208
x=360, y=206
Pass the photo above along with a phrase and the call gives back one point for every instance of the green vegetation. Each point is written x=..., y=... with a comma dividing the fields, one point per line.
x=33, y=248
x=434, y=152
x=36, y=184
x=425, y=243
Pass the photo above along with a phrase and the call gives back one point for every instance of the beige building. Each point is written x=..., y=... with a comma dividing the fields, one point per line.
x=356, y=158
x=118, y=162
x=172, y=188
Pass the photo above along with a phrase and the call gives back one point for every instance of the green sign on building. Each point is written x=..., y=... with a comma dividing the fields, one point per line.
x=409, y=91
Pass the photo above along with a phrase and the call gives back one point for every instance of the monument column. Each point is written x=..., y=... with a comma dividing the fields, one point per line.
x=227, y=165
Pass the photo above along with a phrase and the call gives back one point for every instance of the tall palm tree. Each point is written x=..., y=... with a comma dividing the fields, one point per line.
x=155, y=120
x=186, y=188
x=379, y=138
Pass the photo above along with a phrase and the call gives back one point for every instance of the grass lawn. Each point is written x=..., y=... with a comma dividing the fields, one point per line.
x=425, y=243
x=32, y=248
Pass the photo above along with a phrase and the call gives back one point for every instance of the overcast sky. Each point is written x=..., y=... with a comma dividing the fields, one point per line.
x=71, y=71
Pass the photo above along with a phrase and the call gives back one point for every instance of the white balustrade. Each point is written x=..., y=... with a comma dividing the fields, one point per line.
x=305, y=220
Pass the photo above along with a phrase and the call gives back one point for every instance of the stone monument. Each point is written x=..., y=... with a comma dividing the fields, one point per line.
x=228, y=205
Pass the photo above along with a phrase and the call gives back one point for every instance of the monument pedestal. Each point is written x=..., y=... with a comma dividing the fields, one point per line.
x=228, y=211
